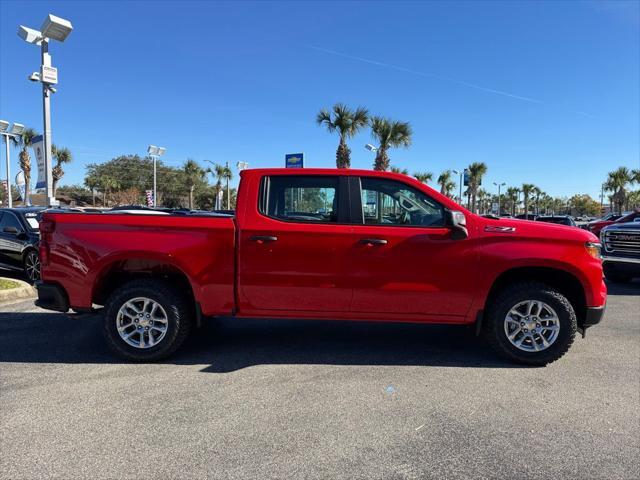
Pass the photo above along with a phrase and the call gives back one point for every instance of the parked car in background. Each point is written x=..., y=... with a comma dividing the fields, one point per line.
x=621, y=251
x=558, y=219
x=598, y=224
x=325, y=244
x=19, y=238
x=526, y=216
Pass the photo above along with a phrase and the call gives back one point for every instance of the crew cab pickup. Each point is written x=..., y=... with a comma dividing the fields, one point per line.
x=325, y=244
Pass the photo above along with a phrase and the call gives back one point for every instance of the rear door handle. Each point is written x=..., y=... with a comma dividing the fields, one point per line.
x=263, y=238
x=373, y=241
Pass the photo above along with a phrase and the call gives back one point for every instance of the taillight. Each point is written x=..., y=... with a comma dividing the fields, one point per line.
x=47, y=227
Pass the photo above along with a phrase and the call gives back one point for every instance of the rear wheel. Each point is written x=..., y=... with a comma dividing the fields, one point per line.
x=146, y=320
x=32, y=266
x=530, y=323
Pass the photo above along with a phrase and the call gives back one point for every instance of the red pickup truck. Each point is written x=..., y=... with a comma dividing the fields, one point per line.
x=325, y=244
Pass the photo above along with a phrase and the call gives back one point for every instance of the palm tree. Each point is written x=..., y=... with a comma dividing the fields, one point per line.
x=528, y=189
x=537, y=193
x=347, y=123
x=512, y=195
x=423, y=177
x=476, y=171
x=62, y=156
x=483, y=195
x=228, y=176
x=403, y=171
x=617, y=183
x=389, y=134
x=26, y=140
x=192, y=174
x=108, y=184
x=446, y=182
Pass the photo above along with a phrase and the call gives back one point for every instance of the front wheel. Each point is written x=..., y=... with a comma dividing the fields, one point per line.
x=146, y=320
x=530, y=323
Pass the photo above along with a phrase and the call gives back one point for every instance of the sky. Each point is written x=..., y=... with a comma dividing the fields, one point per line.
x=542, y=92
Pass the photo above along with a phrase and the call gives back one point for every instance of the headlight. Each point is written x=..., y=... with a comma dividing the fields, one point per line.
x=593, y=249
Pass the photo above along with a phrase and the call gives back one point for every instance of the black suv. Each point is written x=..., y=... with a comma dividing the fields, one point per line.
x=19, y=238
x=621, y=251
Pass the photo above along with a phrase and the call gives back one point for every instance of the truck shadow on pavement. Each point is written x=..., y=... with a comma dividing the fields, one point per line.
x=227, y=345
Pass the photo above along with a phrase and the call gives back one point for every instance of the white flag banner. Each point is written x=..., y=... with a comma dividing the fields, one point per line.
x=20, y=185
x=38, y=148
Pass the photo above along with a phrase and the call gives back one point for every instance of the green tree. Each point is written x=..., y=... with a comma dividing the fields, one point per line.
x=389, y=134
x=403, y=171
x=424, y=177
x=194, y=175
x=483, y=198
x=61, y=156
x=477, y=170
x=584, y=205
x=446, y=182
x=617, y=183
x=528, y=189
x=512, y=195
x=347, y=123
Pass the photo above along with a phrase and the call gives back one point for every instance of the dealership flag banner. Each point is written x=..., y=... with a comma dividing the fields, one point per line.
x=38, y=148
x=6, y=191
x=149, y=198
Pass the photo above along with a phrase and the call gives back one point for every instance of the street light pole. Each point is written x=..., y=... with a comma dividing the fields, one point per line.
x=499, y=198
x=46, y=115
x=15, y=131
x=53, y=28
x=461, y=173
x=155, y=152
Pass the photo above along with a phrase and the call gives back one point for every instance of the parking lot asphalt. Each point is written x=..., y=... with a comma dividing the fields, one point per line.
x=300, y=399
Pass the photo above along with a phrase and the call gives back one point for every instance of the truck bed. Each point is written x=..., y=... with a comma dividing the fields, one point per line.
x=87, y=252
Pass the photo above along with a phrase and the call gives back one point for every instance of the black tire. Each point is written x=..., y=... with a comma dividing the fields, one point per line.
x=504, y=301
x=179, y=312
x=31, y=265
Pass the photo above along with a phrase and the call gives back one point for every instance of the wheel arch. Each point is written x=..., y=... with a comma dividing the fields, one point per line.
x=119, y=271
x=564, y=281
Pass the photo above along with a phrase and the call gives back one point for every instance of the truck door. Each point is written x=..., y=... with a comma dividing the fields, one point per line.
x=403, y=260
x=293, y=246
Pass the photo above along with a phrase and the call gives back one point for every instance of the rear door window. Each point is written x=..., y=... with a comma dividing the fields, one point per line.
x=312, y=199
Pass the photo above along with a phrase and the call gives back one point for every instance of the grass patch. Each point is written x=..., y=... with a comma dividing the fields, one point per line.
x=7, y=284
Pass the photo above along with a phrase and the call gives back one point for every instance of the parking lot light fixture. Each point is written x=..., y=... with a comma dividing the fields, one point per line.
x=7, y=133
x=371, y=148
x=53, y=28
x=155, y=152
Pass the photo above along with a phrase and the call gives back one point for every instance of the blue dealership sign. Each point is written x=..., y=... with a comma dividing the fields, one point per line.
x=294, y=160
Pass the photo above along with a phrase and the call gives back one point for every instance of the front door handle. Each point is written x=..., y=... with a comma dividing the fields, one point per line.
x=263, y=238
x=373, y=241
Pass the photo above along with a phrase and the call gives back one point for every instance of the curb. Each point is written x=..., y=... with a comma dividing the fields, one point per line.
x=19, y=293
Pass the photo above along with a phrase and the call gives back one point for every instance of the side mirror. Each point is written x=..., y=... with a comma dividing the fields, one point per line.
x=456, y=220
x=12, y=230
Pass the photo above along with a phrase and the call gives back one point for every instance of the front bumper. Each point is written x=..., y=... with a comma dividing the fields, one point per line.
x=612, y=259
x=52, y=297
x=593, y=316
